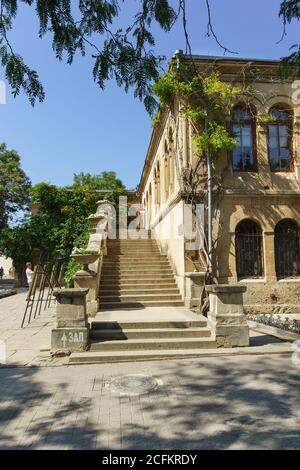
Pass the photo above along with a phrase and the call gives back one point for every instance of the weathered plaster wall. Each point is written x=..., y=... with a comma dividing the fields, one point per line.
x=171, y=241
x=263, y=196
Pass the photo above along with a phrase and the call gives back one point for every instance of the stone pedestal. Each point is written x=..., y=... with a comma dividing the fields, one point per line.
x=194, y=282
x=72, y=328
x=226, y=316
x=89, y=282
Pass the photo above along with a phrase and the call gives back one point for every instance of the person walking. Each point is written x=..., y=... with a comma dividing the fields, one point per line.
x=1, y=273
x=29, y=274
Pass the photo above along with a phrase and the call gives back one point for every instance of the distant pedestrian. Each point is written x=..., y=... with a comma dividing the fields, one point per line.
x=29, y=274
x=1, y=273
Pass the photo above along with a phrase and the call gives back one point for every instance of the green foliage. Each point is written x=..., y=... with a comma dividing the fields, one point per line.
x=289, y=10
x=72, y=267
x=168, y=86
x=106, y=180
x=20, y=76
x=155, y=119
x=268, y=119
x=218, y=92
x=208, y=98
x=70, y=272
x=60, y=222
x=14, y=185
x=216, y=139
x=290, y=66
x=123, y=55
x=196, y=114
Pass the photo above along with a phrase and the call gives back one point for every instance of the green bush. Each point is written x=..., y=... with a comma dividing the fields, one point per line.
x=71, y=269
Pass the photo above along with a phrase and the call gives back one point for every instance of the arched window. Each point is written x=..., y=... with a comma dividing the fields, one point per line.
x=171, y=159
x=158, y=184
x=243, y=128
x=280, y=140
x=166, y=171
x=287, y=248
x=248, y=248
x=150, y=205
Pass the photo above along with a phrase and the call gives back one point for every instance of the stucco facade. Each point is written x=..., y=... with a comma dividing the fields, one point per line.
x=262, y=194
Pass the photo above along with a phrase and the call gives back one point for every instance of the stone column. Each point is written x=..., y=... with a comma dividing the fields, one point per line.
x=226, y=315
x=231, y=263
x=72, y=327
x=269, y=257
x=88, y=281
x=194, y=282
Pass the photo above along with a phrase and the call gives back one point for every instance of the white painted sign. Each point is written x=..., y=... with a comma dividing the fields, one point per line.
x=72, y=337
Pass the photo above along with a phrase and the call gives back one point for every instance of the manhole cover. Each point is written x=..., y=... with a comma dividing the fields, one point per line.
x=135, y=384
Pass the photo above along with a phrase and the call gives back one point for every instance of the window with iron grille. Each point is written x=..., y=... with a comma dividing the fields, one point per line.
x=287, y=249
x=248, y=246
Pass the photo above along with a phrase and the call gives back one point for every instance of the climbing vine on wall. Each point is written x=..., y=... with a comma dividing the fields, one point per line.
x=201, y=97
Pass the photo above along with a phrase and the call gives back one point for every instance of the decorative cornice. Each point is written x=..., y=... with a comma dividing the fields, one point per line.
x=152, y=149
x=261, y=192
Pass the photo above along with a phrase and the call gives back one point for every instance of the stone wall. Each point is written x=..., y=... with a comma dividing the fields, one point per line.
x=272, y=297
x=171, y=241
x=264, y=196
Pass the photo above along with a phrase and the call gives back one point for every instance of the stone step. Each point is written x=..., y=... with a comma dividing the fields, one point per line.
x=133, y=278
x=133, y=248
x=133, y=258
x=139, y=305
x=133, y=252
x=128, y=259
x=134, y=291
x=140, y=282
x=152, y=344
x=133, y=245
x=139, y=297
x=128, y=241
x=137, y=272
x=107, y=286
x=134, y=264
x=140, y=261
x=140, y=324
x=134, y=356
x=122, y=334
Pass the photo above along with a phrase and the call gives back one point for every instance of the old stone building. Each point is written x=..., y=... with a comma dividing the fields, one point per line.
x=256, y=213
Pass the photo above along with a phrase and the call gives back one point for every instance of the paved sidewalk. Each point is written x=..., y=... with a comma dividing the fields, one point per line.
x=24, y=345
x=209, y=403
x=230, y=402
x=30, y=346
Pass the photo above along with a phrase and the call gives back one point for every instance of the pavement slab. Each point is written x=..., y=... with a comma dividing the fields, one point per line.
x=248, y=401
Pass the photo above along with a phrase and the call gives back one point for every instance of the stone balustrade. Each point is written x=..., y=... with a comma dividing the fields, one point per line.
x=90, y=278
x=226, y=316
x=72, y=328
x=194, y=283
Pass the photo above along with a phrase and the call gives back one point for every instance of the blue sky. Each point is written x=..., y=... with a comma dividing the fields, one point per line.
x=81, y=128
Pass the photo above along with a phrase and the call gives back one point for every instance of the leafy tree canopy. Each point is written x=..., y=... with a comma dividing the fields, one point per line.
x=125, y=55
x=289, y=11
x=106, y=180
x=60, y=221
x=14, y=185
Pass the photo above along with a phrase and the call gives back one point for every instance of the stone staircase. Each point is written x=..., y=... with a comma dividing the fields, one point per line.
x=148, y=338
x=136, y=275
x=142, y=316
